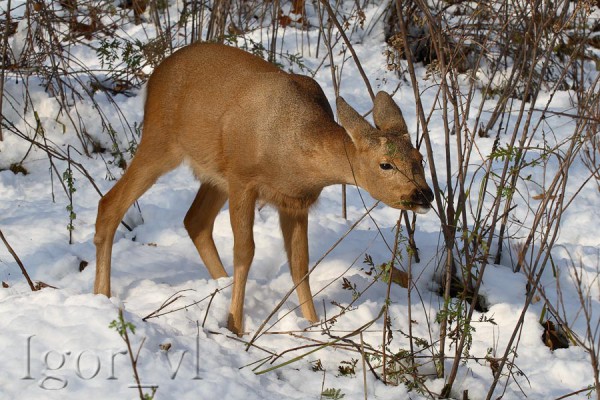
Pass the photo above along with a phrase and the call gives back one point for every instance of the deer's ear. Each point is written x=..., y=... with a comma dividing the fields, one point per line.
x=356, y=126
x=387, y=114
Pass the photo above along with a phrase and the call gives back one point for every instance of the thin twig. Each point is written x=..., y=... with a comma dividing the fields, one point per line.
x=361, y=71
x=387, y=298
x=155, y=314
x=353, y=333
x=5, y=58
x=18, y=260
x=258, y=332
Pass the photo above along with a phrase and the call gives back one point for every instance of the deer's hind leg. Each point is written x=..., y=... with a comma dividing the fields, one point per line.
x=199, y=222
x=145, y=168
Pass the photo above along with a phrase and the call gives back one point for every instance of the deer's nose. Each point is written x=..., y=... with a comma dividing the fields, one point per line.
x=423, y=196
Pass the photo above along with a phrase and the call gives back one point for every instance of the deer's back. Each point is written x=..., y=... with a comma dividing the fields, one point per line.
x=233, y=115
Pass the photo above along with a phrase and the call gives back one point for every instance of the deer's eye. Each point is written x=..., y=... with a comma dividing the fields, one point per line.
x=386, y=166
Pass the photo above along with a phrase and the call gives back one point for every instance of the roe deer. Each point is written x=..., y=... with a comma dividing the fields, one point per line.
x=252, y=132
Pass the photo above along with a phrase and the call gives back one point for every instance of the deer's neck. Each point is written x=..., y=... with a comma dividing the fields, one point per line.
x=336, y=155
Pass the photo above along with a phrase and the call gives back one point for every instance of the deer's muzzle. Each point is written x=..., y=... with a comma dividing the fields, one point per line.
x=421, y=199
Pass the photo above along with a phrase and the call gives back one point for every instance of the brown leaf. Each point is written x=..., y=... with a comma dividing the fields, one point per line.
x=39, y=285
x=399, y=277
x=346, y=285
x=542, y=195
x=494, y=364
x=82, y=265
x=554, y=338
x=284, y=21
x=81, y=29
x=165, y=346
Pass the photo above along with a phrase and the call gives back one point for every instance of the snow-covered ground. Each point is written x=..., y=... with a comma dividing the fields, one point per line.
x=56, y=343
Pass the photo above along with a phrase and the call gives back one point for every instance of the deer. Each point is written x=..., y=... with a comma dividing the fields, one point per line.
x=255, y=134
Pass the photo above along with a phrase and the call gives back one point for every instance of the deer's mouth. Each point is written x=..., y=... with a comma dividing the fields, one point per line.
x=421, y=200
x=418, y=207
x=421, y=208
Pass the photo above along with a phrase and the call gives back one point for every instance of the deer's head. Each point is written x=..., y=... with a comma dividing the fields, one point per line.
x=386, y=163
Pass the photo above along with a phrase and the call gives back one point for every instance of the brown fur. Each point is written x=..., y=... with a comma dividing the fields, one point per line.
x=252, y=132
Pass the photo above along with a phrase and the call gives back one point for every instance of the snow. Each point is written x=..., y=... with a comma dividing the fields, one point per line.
x=57, y=343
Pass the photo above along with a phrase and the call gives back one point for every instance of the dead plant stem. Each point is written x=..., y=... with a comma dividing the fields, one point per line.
x=384, y=336
x=258, y=332
x=18, y=261
x=5, y=58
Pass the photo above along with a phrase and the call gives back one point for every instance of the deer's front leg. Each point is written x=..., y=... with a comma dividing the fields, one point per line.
x=294, y=226
x=241, y=211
